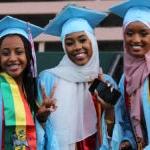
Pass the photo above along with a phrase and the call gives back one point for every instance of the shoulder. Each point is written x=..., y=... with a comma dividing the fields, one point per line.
x=109, y=78
x=46, y=79
x=46, y=75
x=121, y=84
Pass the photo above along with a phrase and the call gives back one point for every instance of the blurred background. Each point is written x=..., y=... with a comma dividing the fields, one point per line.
x=48, y=48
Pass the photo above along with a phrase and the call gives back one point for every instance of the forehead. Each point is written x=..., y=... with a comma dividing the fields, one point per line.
x=11, y=40
x=76, y=34
x=12, y=36
x=137, y=25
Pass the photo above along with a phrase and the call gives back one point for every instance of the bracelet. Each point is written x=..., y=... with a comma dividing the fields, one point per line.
x=109, y=121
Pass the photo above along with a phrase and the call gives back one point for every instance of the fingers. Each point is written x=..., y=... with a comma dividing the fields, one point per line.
x=45, y=109
x=50, y=102
x=43, y=92
x=42, y=88
x=100, y=77
x=125, y=146
x=53, y=91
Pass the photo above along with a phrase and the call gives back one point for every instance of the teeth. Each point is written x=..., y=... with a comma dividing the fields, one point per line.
x=136, y=47
x=81, y=55
x=13, y=66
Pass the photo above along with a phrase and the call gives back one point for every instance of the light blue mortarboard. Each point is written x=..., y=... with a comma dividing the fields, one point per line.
x=133, y=10
x=122, y=8
x=74, y=19
x=10, y=25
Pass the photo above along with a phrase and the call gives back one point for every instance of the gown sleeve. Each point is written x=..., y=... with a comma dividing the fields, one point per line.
x=1, y=119
x=122, y=130
x=46, y=139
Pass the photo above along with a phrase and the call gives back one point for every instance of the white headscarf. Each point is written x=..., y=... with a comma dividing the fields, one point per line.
x=137, y=14
x=75, y=118
x=69, y=71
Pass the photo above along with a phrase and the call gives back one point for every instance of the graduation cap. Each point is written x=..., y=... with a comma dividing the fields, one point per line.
x=122, y=8
x=74, y=19
x=133, y=10
x=10, y=25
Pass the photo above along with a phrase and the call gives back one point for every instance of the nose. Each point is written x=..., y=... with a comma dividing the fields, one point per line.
x=13, y=57
x=136, y=38
x=77, y=45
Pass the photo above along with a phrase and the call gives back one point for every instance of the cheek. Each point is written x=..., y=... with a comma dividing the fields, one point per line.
x=2, y=60
x=90, y=51
x=126, y=40
x=148, y=41
x=69, y=50
x=25, y=61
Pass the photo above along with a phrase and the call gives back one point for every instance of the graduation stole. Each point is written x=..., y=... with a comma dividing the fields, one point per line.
x=16, y=113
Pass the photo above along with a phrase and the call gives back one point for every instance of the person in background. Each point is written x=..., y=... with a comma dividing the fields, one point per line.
x=18, y=90
x=134, y=108
x=77, y=122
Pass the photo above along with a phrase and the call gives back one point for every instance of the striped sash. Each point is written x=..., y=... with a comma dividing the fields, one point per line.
x=19, y=125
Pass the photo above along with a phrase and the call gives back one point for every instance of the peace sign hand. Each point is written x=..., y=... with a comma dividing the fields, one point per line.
x=48, y=105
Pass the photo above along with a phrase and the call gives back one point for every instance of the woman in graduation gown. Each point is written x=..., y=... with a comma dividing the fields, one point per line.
x=18, y=90
x=134, y=108
x=77, y=122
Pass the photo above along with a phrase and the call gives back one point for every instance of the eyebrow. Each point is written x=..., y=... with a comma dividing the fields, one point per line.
x=80, y=36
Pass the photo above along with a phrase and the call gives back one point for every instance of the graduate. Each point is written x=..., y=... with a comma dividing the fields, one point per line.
x=18, y=90
x=134, y=108
x=77, y=122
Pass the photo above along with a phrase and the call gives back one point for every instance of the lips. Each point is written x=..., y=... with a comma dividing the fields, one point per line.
x=80, y=56
x=13, y=67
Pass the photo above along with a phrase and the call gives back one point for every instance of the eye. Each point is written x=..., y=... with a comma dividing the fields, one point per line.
x=4, y=52
x=129, y=33
x=83, y=40
x=69, y=42
x=144, y=33
x=20, y=51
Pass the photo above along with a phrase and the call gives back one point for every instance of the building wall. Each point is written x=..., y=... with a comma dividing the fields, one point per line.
x=39, y=12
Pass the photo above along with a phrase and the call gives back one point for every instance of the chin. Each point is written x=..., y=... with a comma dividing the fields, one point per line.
x=14, y=75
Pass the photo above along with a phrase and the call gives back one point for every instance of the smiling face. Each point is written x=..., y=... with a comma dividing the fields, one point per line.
x=13, y=58
x=137, y=39
x=78, y=47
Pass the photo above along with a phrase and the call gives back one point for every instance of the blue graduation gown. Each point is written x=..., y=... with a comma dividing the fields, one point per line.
x=49, y=139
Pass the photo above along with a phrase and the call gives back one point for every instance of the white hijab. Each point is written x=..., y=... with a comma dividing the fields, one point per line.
x=75, y=118
x=69, y=71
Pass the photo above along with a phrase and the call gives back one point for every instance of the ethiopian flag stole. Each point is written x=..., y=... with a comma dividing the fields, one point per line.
x=19, y=125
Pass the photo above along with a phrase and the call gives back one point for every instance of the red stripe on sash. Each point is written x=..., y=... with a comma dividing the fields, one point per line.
x=30, y=128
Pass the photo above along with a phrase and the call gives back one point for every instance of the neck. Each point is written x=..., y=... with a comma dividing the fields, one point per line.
x=19, y=81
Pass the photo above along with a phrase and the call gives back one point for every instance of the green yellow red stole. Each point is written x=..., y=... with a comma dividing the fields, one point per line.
x=19, y=125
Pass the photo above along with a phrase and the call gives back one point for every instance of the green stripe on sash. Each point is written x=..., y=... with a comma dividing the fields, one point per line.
x=9, y=132
x=8, y=102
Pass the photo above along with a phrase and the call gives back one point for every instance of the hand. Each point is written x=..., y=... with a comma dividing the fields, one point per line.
x=125, y=145
x=48, y=105
x=104, y=104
